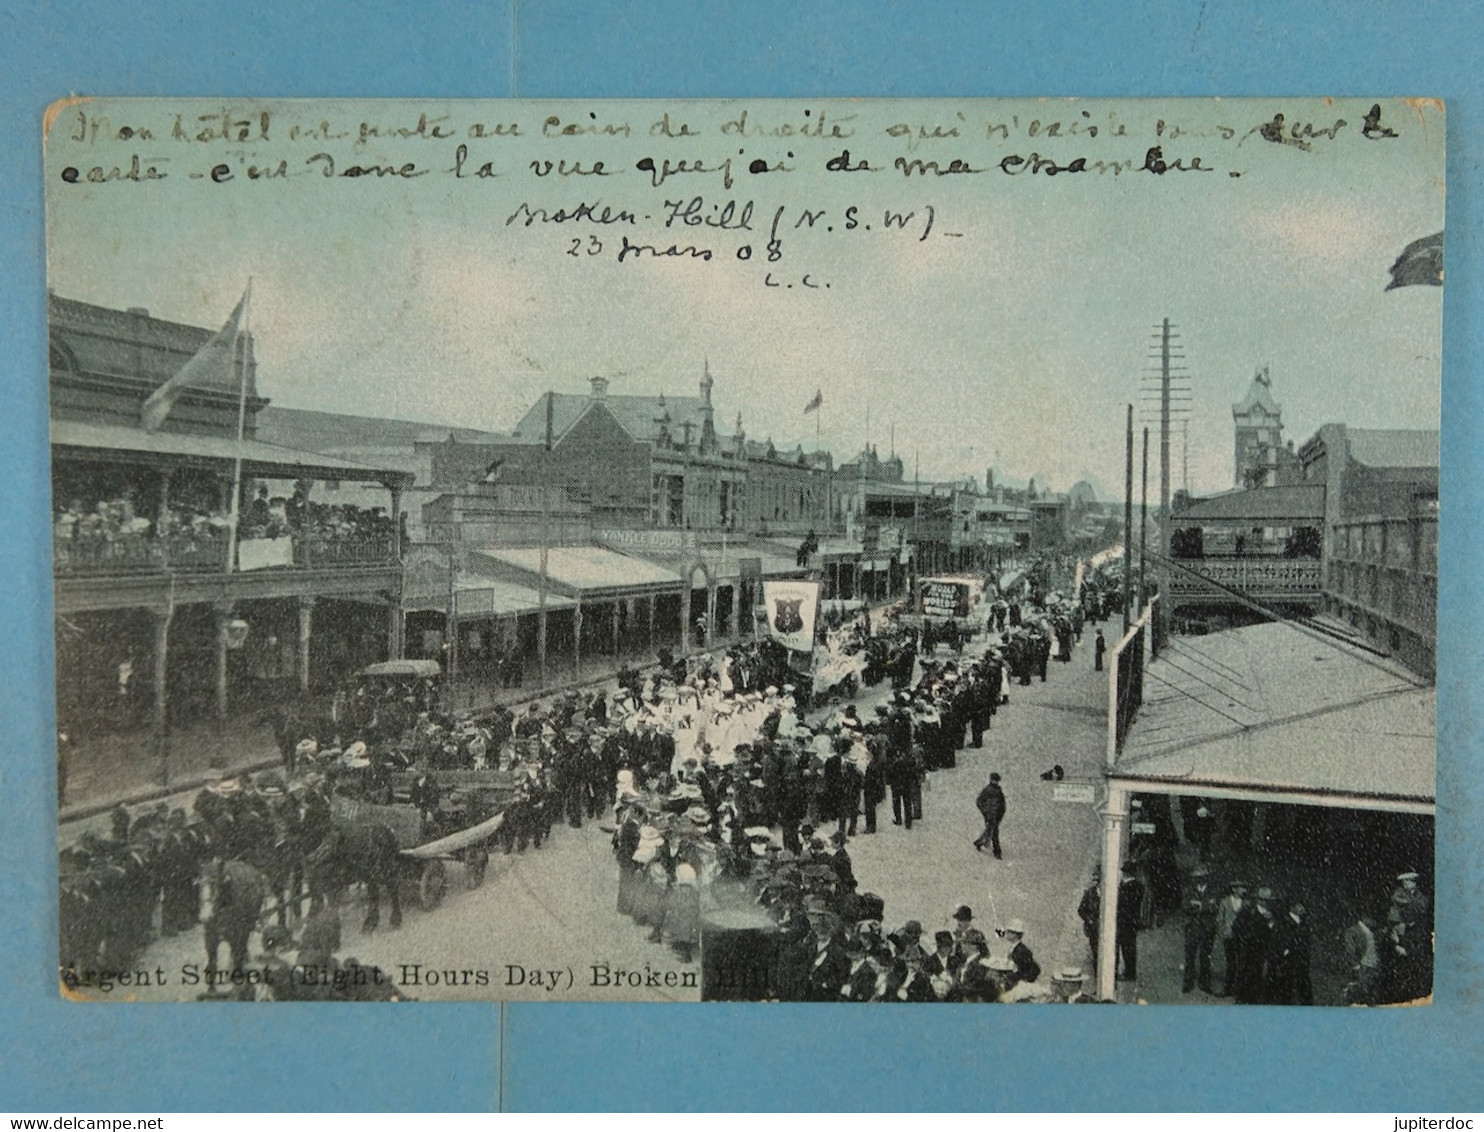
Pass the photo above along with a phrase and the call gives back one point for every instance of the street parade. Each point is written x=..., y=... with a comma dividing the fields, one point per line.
x=732, y=783
x=731, y=787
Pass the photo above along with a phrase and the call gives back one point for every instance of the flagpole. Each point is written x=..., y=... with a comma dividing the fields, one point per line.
x=239, y=346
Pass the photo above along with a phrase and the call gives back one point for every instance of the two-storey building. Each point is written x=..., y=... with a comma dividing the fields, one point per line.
x=163, y=618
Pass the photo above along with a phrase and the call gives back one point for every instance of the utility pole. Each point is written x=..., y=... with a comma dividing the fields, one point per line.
x=545, y=543
x=1164, y=472
x=451, y=623
x=1144, y=519
x=1172, y=394
x=1128, y=517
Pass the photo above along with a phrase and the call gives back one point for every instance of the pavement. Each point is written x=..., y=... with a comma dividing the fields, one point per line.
x=1049, y=846
x=544, y=924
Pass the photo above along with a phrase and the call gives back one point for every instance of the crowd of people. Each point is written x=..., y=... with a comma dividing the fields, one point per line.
x=113, y=529
x=728, y=798
x=296, y=515
x=727, y=785
x=717, y=786
x=1253, y=943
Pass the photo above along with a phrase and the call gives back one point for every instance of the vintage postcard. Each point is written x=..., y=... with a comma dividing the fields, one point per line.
x=870, y=551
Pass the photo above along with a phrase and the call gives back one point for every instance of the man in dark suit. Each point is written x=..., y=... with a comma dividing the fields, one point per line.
x=1253, y=934
x=899, y=776
x=1201, y=906
x=831, y=968
x=848, y=799
x=1289, y=980
x=830, y=785
x=1130, y=900
x=873, y=784
x=991, y=805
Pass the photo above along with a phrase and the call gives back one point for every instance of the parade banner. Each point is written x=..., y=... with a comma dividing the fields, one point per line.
x=943, y=599
x=792, y=610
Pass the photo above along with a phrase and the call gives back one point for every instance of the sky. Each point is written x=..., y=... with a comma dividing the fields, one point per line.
x=1011, y=331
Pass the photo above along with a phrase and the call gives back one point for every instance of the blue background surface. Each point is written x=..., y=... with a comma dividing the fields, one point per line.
x=58, y=1057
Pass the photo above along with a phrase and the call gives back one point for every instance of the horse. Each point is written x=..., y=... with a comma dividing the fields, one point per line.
x=279, y=856
x=357, y=854
x=232, y=894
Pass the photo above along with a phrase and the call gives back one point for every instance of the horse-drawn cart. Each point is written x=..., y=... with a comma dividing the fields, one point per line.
x=436, y=817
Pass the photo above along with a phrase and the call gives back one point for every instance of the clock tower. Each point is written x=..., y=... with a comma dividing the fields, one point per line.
x=1259, y=433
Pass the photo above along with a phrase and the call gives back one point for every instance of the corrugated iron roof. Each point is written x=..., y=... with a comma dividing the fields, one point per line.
x=1393, y=447
x=585, y=567
x=1268, y=708
x=260, y=457
x=317, y=431
x=1281, y=504
x=133, y=343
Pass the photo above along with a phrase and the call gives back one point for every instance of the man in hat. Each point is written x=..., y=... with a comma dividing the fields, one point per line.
x=1067, y=985
x=991, y=806
x=873, y=779
x=1409, y=904
x=1289, y=979
x=1406, y=963
x=907, y=940
x=1099, y=649
x=900, y=776
x=963, y=923
x=1126, y=931
x=1227, y=912
x=942, y=966
x=1090, y=912
x=833, y=961
x=1201, y=909
x=848, y=788
x=1026, y=968
x=1253, y=935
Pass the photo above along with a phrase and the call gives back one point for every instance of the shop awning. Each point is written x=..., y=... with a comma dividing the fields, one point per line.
x=1271, y=711
x=773, y=565
x=589, y=571
x=485, y=597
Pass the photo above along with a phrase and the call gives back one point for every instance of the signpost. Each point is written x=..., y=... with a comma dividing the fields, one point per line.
x=1083, y=792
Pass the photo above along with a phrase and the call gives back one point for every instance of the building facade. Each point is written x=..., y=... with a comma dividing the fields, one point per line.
x=167, y=615
x=1381, y=535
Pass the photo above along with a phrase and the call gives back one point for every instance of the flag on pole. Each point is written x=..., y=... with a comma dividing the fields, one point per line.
x=815, y=402
x=1421, y=261
x=212, y=366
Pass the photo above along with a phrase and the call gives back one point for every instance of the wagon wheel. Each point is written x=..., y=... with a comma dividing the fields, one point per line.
x=476, y=858
x=431, y=884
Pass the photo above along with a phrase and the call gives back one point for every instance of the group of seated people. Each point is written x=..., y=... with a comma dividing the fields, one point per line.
x=118, y=520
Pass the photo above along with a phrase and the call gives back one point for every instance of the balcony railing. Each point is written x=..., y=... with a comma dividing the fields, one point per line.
x=125, y=555
x=197, y=553
x=1270, y=577
x=207, y=553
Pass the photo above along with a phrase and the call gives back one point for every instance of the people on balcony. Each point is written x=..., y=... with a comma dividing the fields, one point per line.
x=112, y=532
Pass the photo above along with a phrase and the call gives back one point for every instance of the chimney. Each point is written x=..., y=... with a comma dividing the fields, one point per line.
x=600, y=388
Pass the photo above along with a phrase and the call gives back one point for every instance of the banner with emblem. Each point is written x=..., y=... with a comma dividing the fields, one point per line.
x=793, y=608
